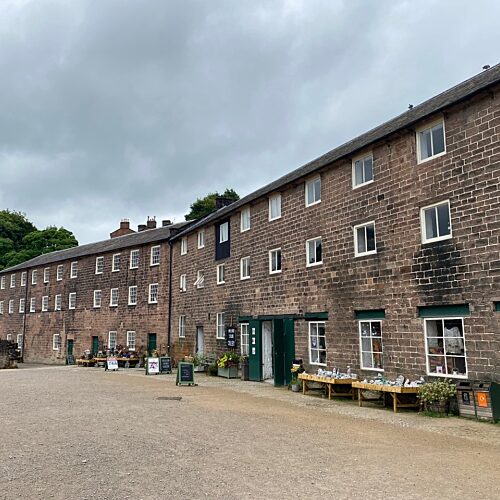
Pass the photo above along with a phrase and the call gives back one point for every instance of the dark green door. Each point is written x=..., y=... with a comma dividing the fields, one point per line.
x=279, y=352
x=151, y=342
x=254, y=351
x=70, y=347
x=95, y=345
x=289, y=347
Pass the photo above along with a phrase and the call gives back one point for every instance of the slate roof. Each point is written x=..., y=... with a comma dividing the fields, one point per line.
x=120, y=242
x=456, y=94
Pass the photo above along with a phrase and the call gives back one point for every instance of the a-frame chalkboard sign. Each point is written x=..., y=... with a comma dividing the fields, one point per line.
x=185, y=374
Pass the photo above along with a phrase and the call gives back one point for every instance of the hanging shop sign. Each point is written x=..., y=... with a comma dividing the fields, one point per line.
x=231, y=337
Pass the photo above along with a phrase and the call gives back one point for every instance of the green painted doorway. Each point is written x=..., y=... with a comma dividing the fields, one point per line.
x=70, y=347
x=151, y=343
x=283, y=350
x=95, y=345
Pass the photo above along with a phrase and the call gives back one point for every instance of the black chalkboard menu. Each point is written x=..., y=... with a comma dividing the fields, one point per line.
x=185, y=374
x=231, y=337
x=165, y=364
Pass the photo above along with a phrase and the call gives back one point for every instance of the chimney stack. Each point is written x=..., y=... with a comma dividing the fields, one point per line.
x=141, y=227
x=166, y=222
x=151, y=223
x=123, y=229
x=221, y=202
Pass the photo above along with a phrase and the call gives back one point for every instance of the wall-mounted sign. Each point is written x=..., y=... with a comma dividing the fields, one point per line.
x=231, y=337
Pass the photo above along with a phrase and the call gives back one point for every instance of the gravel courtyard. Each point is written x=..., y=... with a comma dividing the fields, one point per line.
x=84, y=433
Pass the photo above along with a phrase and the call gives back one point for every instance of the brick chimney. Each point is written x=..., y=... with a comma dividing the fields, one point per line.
x=221, y=202
x=166, y=222
x=151, y=223
x=123, y=229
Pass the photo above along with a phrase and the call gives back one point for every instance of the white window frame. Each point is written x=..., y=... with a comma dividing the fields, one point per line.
x=33, y=304
x=46, y=274
x=74, y=269
x=244, y=339
x=272, y=198
x=22, y=305
x=224, y=232
x=56, y=342
x=72, y=300
x=97, y=299
x=20, y=341
x=24, y=278
x=132, y=294
x=45, y=303
x=34, y=276
x=220, y=332
x=445, y=355
x=2, y=283
x=425, y=128
x=182, y=326
x=184, y=245
x=153, y=293
x=272, y=254
x=11, y=306
x=423, y=226
x=134, y=258
x=13, y=281
x=112, y=334
x=99, y=264
x=9, y=337
x=155, y=255
x=60, y=272
x=371, y=337
x=1, y=306
x=131, y=340
x=245, y=268
x=221, y=274
x=115, y=263
x=183, y=283
x=362, y=159
x=200, y=279
x=245, y=220
x=357, y=253
x=317, y=348
x=58, y=302
x=308, y=252
x=113, y=297
x=312, y=182
x=201, y=239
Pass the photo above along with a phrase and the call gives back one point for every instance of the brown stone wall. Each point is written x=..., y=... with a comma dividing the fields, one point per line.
x=404, y=273
x=86, y=321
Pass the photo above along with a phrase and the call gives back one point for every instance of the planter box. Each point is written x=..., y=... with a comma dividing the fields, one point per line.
x=229, y=372
x=199, y=368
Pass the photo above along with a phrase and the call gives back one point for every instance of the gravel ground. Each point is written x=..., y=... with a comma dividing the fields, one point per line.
x=83, y=433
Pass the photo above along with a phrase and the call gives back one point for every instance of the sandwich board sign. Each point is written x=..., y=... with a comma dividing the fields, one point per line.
x=111, y=363
x=185, y=374
x=165, y=364
x=152, y=366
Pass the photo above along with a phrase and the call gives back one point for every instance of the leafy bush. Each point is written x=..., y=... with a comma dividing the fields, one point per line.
x=440, y=390
x=228, y=359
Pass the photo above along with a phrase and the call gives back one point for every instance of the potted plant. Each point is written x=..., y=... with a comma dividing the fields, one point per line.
x=295, y=383
x=199, y=363
x=436, y=395
x=227, y=365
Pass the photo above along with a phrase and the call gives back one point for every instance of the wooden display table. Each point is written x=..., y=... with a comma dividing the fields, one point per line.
x=127, y=362
x=393, y=390
x=331, y=385
x=85, y=362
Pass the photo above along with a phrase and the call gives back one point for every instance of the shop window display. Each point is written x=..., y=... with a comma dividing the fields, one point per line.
x=371, y=345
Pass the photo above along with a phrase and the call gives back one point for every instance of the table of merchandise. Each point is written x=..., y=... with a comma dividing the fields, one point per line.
x=127, y=362
x=393, y=390
x=331, y=385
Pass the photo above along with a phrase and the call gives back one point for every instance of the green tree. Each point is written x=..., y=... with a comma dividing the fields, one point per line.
x=206, y=205
x=20, y=240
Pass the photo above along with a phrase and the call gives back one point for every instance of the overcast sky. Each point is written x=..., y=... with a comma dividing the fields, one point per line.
x=115, y=109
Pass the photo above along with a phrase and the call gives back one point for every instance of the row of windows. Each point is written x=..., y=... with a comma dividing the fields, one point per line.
x=99, y=268
x=444, y=346
x=113, y=300
x=430, y=144
x=436, y=226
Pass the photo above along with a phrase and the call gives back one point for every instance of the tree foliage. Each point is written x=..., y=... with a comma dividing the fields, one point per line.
x=206, y=205
x=20, y=240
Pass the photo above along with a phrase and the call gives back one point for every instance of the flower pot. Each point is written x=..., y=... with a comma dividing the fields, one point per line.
x=228, y=372
x=295, y=387
x=437, y=406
